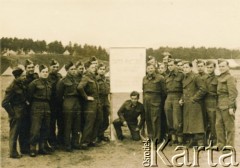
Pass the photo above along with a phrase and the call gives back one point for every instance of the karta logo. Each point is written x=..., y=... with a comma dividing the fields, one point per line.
x=152, y=152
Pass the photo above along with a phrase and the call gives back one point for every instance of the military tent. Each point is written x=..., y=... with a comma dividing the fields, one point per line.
x=66, y=52
x=7, y=72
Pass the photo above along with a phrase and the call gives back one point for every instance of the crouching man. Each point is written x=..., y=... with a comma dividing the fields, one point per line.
x=128, y=115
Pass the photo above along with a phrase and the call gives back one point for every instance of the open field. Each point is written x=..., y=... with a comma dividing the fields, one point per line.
x=126, y=154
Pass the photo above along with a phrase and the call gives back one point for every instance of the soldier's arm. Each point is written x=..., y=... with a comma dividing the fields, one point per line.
x=121, y=112
x=9, y=94
x=202, y=90
x=81, y=87
x=60, y=91
x=31, y=90
x=142, y=120
x=164, y=89
x=232, y=92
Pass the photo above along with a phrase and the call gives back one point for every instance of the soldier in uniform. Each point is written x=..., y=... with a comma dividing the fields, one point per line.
x=80, y=71
x=39, y=92
x=173, y=109
x=153, y=93
x=14, y=102
x=68, y=96
x=24, y=135
x=56, y=113
x=210, y=101
x=193, y=92
x=201, y=67
x=88, y=88
x=104, y=90
x=226, y=106
x=128, y=115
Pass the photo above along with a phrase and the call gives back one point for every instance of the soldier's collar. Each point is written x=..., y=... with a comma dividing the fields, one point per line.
x=225, y=73
x=152, y=76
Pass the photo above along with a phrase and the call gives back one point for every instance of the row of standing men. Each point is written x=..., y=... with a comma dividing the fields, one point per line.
x=50, y=111
x=199, y=108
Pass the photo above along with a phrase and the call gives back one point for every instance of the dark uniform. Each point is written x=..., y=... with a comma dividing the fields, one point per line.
x=153, y=93
x=25, y=126
x=81, y=102
x=104, y=90
x=14, y=103
x=210, y=103
x=129, y=112
x=193, y=91
x=172, y=107
x=39, y=92
x=227, y=94
x=92, y=109
x=56, y=113
x=68, y=95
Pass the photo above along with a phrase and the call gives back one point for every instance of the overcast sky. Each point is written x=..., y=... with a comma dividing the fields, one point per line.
x=114, y=23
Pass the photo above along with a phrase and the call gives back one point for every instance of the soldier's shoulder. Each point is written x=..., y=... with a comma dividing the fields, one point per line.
x=35, y=75
x=159, y=77
x=59, y=75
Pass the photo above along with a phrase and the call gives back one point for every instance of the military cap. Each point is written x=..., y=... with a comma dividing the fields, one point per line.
x=28, y=62
x=93, y=58
x=150, y=57
x=41, y=67
x=87, y=64
x=53, y=62
x=188, y=62
x=68, y=65
x=222, y=60
x=79, y=63
x=209, y=62
x=17, y=71
x=101, y=65
x=199, y=61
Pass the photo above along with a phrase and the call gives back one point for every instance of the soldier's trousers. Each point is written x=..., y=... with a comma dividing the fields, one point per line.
x=174, y=114
x=15, y=126
x=153, y=113
x=132, y=127
x=225, y=128
x=93, y=119
x=72, y=121
x=56, y=134
x=105, y=122
x=211, y=107
x=40, y=122
x=24, y=132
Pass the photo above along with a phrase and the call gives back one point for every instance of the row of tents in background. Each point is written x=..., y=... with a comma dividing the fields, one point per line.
x=232, y=63
x=30, y=52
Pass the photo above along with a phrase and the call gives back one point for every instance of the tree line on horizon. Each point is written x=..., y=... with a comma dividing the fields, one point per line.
x=56, y=47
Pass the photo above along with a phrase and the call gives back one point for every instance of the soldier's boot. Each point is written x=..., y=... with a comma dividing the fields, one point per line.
x=13, y=151
x=33, y=151
x=43, y=150
x=48, y=148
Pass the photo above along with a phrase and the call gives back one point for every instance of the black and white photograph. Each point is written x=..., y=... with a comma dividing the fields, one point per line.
x=119, y=83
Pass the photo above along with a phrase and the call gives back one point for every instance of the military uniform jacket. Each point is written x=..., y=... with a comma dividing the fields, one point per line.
x=174, y=82
x=88, y=86
x=67, y=87
x=154, y=84
x=104, y=88
x=15, y=95
x=226, y=91
x=129, y=113
x=40, y=90
x=30, y=78
x=211, y=84
x=53, y=78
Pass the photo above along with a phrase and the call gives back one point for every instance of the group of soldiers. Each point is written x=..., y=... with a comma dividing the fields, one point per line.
x=50, y=111
x=198, y=108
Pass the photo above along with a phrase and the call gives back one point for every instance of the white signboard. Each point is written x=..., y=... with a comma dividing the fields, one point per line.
x=127, y=69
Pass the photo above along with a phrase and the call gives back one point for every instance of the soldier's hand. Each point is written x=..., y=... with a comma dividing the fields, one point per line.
x=90, y=98
x=231, y=112
x=137, y=129
x=181, y=102
x=124, y=123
